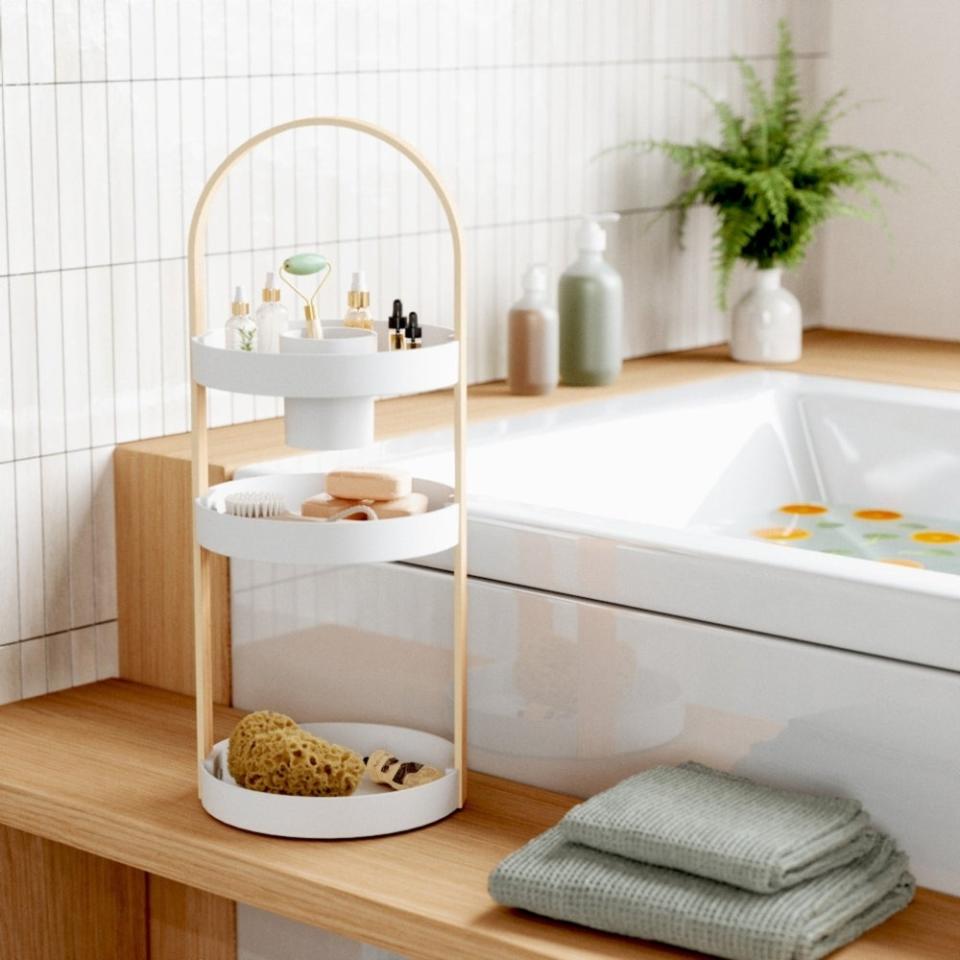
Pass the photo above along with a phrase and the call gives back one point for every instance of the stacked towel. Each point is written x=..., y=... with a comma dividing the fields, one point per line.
x=715, y=863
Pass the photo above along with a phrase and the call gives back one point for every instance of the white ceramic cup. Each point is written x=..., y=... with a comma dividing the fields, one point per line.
x=329, y=423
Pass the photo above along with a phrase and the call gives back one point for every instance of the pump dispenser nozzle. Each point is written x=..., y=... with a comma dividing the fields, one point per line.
x=591, y=237
x=535, y=279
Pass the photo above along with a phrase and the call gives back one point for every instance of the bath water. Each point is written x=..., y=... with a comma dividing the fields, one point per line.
x=881, y=534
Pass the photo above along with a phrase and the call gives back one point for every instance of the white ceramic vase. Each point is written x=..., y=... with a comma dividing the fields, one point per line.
x=767, y=322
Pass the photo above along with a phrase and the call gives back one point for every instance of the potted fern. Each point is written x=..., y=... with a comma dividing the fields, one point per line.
x=772, y=181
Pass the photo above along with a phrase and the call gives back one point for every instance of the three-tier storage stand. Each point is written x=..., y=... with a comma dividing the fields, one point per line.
x=328, y=381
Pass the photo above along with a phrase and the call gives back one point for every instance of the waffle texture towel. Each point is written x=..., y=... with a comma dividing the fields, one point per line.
x=717, y=825
x=567, y=881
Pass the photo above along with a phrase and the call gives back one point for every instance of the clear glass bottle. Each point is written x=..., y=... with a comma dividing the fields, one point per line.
x=358, y=299
x=241, y=329
x=271, y=318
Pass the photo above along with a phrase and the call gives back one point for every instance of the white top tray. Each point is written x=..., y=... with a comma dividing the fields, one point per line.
x=317, y=542
x=385, y=373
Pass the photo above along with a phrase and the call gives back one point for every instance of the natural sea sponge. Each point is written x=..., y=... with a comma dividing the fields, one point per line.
x=299, y=764
x=263, y=721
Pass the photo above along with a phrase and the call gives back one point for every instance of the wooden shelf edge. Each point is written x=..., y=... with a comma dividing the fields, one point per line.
x=117, y=781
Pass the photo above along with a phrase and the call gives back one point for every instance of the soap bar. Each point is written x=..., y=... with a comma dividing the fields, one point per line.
x=369, y=484
x=323, y=505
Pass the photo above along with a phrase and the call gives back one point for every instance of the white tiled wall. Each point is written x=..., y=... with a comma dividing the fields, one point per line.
x=115, y=111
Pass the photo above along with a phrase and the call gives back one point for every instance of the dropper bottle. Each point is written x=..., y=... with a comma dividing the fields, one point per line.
x=414, y=332
x=271, y=317
x=240, y=329
x=358, y=299
x=396, y=328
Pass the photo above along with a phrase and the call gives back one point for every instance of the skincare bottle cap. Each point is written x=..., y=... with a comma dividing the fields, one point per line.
x=413, y=327
x=239, y=307
x=535, y=279
x=591, y=237
x=270, y=292
x=358, y=296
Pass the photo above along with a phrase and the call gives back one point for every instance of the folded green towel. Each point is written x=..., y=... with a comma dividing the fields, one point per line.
x=567, y=881
x=721, y=826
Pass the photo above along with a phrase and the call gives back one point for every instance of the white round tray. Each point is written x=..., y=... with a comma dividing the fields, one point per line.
x=372, y=811
x=317, y=542
x=385, y=373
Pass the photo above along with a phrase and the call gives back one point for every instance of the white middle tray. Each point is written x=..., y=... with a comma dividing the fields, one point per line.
x=316, y=542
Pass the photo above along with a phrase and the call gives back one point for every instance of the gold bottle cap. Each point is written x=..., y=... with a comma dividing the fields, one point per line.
x=358, y=299
x=271, y=294
x=239, y=308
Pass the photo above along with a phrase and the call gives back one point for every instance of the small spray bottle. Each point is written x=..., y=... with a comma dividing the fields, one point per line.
x=271, y=317
x=396, y=328
x=241, y=330
x=358, y=299
x=414, y=333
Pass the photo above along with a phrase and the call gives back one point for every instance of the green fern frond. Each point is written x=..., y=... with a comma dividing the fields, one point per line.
x=774, y=178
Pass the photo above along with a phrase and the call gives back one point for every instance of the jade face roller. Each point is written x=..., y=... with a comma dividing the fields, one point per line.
x=306, y=265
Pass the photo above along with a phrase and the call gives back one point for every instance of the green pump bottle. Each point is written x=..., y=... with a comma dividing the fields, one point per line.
x=590, y=300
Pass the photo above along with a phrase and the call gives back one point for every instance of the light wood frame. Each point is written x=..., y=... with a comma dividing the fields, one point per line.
x=202, y=558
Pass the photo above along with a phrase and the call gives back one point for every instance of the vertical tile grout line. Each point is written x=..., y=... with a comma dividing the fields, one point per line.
x=229, y=182
x=183, y=233
x=109, y=219
x=37, y=345
x=63, y=339
x=249, y=159
x=204, y=173
x=13, y=432
x=133, y=208
x=94, y=532
x=162, y=396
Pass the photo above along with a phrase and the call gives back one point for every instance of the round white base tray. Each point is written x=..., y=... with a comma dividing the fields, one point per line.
x=372, y=811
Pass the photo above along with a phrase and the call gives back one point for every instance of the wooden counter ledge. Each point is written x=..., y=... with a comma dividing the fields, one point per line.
x=108, y=769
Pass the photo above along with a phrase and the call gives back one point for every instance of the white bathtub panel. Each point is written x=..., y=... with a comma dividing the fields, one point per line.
x=573, y=695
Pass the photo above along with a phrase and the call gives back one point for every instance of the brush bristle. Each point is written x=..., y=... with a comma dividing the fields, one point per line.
x=253, y=504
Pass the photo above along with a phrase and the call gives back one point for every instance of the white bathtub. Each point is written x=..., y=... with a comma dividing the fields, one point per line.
x=623, y=616
x=649, y=501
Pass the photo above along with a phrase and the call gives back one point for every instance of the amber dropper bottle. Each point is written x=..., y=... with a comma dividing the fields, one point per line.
x=396, y=327
x=414, y=333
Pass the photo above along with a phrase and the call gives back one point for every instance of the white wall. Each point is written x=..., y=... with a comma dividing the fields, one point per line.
x=906, y=56
x=115, y=111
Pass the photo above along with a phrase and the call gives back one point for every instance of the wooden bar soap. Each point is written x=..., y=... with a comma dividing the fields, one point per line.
x=369, y=484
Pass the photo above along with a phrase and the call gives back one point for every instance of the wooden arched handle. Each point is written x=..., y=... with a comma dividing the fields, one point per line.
x=200, y=466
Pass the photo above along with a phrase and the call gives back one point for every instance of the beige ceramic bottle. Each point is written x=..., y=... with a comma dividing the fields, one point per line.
x=532, y=338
